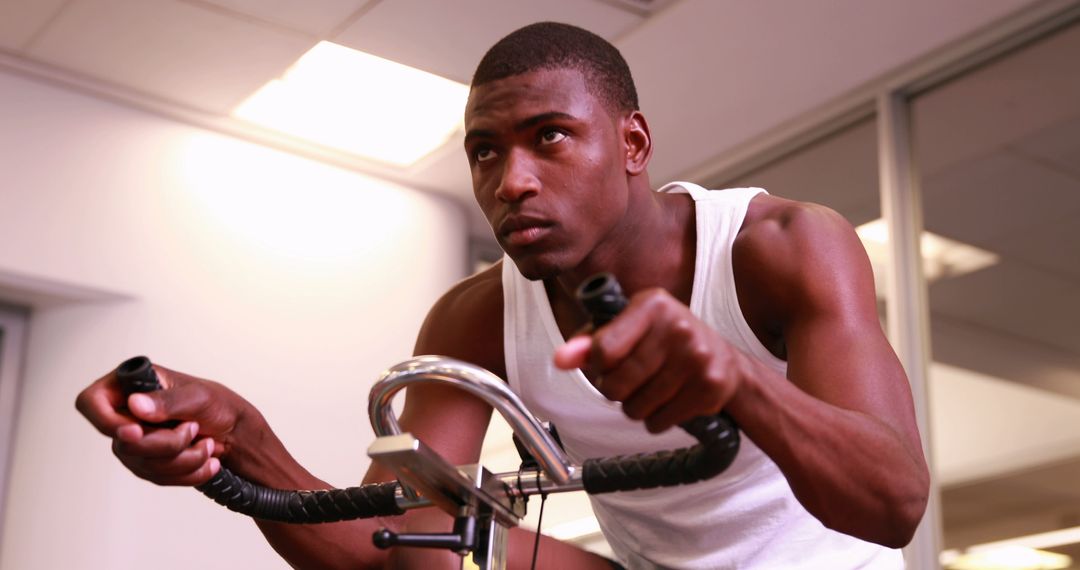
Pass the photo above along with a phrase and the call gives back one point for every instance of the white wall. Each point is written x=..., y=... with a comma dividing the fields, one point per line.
x=292, y=282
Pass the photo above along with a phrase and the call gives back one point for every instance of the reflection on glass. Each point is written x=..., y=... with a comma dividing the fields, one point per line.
x=839, y=171
x=999, y=156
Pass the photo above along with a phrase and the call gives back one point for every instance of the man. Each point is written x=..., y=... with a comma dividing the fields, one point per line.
x=740, y=301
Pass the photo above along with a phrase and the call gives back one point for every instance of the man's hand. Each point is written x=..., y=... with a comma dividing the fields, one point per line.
x=174, y=436
x=659, y=360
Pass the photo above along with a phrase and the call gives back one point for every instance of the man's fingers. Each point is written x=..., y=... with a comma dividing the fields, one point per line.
x=683, y=407
x=200, y=474
x=573, y=354
x=628, y=375
x=654, y=394
x=183, y=463
x=183, y=401
x=100, y=402
x=159, y=442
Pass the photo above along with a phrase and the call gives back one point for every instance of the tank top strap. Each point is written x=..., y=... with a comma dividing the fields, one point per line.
x=738, y=197
x=677, y=187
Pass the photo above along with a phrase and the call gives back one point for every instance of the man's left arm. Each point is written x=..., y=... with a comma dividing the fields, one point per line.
x=841, y=426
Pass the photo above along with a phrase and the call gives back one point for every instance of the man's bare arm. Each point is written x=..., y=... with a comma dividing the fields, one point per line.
x=843, y=428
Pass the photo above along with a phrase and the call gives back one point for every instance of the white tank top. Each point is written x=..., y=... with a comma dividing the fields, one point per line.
x=746, y=517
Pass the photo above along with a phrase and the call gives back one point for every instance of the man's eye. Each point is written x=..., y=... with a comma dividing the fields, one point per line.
x=552, y=137
x=484, y=154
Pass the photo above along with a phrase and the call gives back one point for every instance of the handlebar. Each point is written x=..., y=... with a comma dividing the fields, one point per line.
x=237, y=494
x=463, y=490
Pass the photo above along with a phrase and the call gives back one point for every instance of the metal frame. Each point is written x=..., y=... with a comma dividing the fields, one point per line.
x=908, y=314
x=13, y=325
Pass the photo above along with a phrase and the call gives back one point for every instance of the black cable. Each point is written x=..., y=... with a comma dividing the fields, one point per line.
x=539, y=522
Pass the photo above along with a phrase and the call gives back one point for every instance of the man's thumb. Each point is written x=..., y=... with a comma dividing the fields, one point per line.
x=573, y=354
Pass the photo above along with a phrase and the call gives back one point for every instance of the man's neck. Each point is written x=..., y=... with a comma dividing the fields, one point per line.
x=657, y=248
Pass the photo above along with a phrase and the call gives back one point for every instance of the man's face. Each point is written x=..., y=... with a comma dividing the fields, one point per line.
x=548, y=167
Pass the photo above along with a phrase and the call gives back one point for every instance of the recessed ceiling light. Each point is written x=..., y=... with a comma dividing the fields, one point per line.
x=942, y=257
x=361, y=104
x=1004, y=558
x=1022, y=552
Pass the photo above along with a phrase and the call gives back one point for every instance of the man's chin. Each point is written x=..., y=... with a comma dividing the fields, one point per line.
x=535, y=269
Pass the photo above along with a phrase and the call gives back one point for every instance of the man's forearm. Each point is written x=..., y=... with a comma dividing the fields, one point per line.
x=850, y=470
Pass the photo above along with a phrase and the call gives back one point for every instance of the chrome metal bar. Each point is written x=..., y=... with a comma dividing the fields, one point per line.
x=480, y=383
x=528, y=483
x=445, y=485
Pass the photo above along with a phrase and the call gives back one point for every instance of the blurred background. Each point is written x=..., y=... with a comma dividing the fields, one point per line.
x=272, y=193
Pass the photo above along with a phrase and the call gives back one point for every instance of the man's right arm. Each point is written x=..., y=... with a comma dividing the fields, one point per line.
x=220, y=427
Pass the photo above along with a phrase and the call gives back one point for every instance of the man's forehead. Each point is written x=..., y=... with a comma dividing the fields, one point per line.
x=560, y=88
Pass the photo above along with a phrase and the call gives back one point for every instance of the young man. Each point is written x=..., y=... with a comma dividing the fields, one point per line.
x=740, y=301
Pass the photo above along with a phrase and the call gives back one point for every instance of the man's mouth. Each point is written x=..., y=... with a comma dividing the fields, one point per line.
x=521, y=231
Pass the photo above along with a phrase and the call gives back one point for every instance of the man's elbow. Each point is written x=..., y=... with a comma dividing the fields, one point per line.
x=905, y=510
x=890, y=519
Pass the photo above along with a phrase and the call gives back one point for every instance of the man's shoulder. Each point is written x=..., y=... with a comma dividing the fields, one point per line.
x=466, y=322
x=773, y=224
x=788, y=249
x=477, y=296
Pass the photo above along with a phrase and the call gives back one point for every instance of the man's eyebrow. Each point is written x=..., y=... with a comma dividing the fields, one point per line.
x=543, y=118
x=521, y=126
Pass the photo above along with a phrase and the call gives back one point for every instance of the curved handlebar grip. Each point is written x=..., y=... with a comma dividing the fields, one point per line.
x=237, y=494
x=718, y=436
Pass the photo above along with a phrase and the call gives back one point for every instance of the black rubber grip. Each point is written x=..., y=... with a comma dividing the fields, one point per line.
x=718, y=436
x=234, y=492
x=719, y=444
x=242, y=496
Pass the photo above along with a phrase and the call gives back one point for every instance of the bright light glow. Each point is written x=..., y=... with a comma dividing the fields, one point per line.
x=942, y=257
x=286, y=208
x=1041, y=540
x=571, y=530
x=1012, y=557
x=361, y=104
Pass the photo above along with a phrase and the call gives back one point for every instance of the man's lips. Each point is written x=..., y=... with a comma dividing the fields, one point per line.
x=524, y=230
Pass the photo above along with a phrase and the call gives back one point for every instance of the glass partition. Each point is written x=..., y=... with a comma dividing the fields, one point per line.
x=840, y=171
x=998, y=152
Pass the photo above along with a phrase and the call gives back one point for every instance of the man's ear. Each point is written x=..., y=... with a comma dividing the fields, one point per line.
x=638, y=143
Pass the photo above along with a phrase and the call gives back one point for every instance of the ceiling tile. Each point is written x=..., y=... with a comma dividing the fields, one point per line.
x=167, y=48
x=998, y=104
x=315, y=17
x=1013, y=298
x=1051, y=245
x=1057, y=145
x=987, y=200
x=21, y=19
x=449, y=38
x=839, y=171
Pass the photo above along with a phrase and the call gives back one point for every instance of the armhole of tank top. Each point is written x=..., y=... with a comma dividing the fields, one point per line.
x=732, y=303
x=509, y=291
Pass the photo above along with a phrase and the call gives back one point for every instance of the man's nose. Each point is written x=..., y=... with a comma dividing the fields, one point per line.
x=519, y=179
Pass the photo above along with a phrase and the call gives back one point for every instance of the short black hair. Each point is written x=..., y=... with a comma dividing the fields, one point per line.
x=552, y=45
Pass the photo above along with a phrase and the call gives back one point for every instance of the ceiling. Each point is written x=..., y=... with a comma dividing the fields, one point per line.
x=201, y=58
x=711, y=74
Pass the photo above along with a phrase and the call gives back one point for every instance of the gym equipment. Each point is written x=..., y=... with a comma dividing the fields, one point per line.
x=484, y=504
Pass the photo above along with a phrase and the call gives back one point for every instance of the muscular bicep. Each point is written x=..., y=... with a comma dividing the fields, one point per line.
x=827, y=315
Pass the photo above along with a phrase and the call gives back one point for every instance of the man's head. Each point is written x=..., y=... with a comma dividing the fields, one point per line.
x=557, y=148
x=551, y=45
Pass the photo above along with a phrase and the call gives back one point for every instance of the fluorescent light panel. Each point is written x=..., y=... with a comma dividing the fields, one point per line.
x=1022, y=552
x=361, y=104
x=1005, y=558
x=942, y=257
